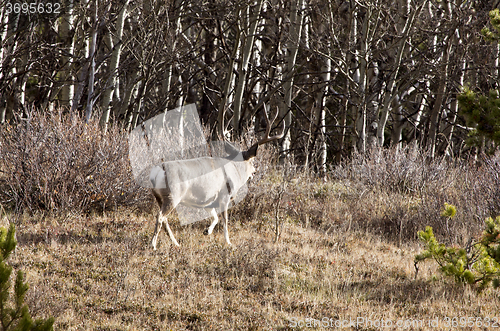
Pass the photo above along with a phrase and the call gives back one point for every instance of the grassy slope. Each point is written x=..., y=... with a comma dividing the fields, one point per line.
x=99, y=273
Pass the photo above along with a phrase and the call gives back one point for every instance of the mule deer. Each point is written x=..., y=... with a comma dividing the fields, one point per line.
x=204, y=182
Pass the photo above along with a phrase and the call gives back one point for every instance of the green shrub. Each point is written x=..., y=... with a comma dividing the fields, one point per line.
x=477, y=263
x=449, y=210
x=493, y=36
x=483, y=113
x=15, y=316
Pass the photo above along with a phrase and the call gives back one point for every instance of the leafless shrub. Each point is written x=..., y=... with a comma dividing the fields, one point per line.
x=59, y=163
x=399, y=192
x=393, y=193
x=405, y=170
x=488, y=184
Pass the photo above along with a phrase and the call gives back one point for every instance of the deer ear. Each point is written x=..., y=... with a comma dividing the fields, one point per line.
x=252, y=152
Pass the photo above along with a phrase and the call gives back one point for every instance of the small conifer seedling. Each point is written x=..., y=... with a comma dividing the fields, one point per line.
x=15, y=316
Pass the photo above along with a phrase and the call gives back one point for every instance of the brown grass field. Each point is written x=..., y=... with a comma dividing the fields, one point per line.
x=345, y=256
x=100, y=273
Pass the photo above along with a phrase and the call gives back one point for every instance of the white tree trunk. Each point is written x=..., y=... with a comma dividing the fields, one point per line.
x=397, y=123
x=438, y=102
x=458, y=41
x=361, y=79
x=65, y=76
x=321, y=115
x=85, y=44
x=113, y=66
x=177, y=31
x=228, y=87
x=496, y=70
x=296, y=20
x=247, y=52
x=442, y=81
x=391, y=90
x=4, y=23
x=139, y=96
x=90, y=94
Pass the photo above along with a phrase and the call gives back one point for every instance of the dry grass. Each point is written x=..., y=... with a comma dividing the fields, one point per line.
x=99, y=273
x=346, y=248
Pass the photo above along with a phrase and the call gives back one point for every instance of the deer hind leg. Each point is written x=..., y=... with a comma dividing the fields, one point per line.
x=210, y=229
x=157, y=229
x=158, y=196
x=162, y=221
x=165, y=209
x=170, y=234
x=224, y=222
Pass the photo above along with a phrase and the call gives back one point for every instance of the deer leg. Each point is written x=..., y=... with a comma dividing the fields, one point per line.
x=166, y=209
x=157, y=229
x=214, y=223
x=170, y=234
x=168, y=206
x=226, y=232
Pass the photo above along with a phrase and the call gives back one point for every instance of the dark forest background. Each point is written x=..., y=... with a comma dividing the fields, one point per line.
x=345, y=75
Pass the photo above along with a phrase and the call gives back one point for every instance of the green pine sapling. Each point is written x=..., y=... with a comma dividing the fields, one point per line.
x=477, y=263
x=15, y=316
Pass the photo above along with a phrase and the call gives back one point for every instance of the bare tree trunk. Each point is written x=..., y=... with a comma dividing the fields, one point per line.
x=14, y=99
x=131, y=106
x=296, y=19
x=459, y=42
x=353, y=71
x=397, y=123
x=228, y=86
x=208, y=97
x=361, y=80
x=179, y=7
x=138, y=104
x=345, y=67
x=422, y=103
x=257, y=62
x=113, y=66
x=247, y=52
x=129, y=92
x=4, y=23
x=496, y=75
x=90, y=96
x=84, y=70
x=441, y=86
x=391, y=90
x=321, y=115
x=438, y=102
x=66, y=77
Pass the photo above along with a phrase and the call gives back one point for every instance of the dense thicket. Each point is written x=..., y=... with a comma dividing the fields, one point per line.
x=61, y=164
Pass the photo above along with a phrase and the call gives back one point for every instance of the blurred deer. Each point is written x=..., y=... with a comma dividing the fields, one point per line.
x=204, y=182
